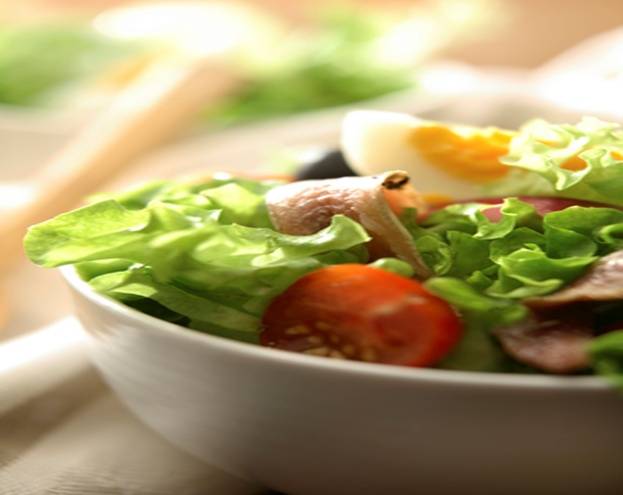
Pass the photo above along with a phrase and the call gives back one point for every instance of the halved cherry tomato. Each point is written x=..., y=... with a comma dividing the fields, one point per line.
x=357, y=312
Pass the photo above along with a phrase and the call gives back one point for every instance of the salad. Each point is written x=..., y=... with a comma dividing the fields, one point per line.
x=516, y=266
x=333, y=55
x=53, y=64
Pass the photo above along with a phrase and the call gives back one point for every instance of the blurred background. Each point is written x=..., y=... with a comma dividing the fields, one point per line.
x=291, y=69
x=296, y=56
x=533, y=30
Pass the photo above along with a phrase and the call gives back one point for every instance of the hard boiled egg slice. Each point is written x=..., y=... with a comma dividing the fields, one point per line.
x=442, y=159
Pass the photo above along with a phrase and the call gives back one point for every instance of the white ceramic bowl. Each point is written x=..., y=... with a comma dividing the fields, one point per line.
x=306, y=425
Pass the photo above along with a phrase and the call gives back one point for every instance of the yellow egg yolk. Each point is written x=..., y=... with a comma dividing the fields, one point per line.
x=576, y=163
x=473, y=157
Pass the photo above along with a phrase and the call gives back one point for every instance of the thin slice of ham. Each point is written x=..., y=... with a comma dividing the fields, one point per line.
x=549, y=344
x=563, y=323
x=602, y=282
x=305, y=207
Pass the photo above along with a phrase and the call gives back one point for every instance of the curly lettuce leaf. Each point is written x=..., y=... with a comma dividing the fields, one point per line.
x=394, y=265
x=606, y=354
x=522, y=254
x=139, y=282
x=485, y=268
x=199, y=255
x=477, y=350
x=582, y=161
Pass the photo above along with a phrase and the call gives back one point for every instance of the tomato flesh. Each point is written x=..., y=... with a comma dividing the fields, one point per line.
x=361, y=313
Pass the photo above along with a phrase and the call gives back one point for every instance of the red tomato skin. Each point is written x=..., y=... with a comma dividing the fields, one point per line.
x=382, y=316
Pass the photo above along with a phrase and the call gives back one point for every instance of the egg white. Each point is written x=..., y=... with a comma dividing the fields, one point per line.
x=374, y=141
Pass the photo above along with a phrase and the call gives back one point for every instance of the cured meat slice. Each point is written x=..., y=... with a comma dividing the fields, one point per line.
x=602, y=282
x=556, y=337
x=549, y=344
x=305, y=207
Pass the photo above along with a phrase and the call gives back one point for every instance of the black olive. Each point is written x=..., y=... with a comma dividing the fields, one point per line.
x=327, y=165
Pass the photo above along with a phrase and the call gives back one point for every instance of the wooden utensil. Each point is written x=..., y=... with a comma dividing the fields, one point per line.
x=148, y=112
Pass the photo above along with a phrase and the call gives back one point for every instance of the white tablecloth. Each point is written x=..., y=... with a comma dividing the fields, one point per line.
x=74, y=437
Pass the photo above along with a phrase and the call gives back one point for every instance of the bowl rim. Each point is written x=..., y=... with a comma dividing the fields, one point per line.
x=431, y=376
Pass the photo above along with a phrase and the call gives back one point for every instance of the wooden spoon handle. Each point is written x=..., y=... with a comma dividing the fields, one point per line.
x=144, y=115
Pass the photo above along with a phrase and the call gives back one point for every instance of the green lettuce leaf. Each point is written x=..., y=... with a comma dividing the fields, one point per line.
x=522, y=254
x=540, y=152
x=485, y=268
x=606, y=354
x=394, y=265
x=477, y=350
x=199, y=255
